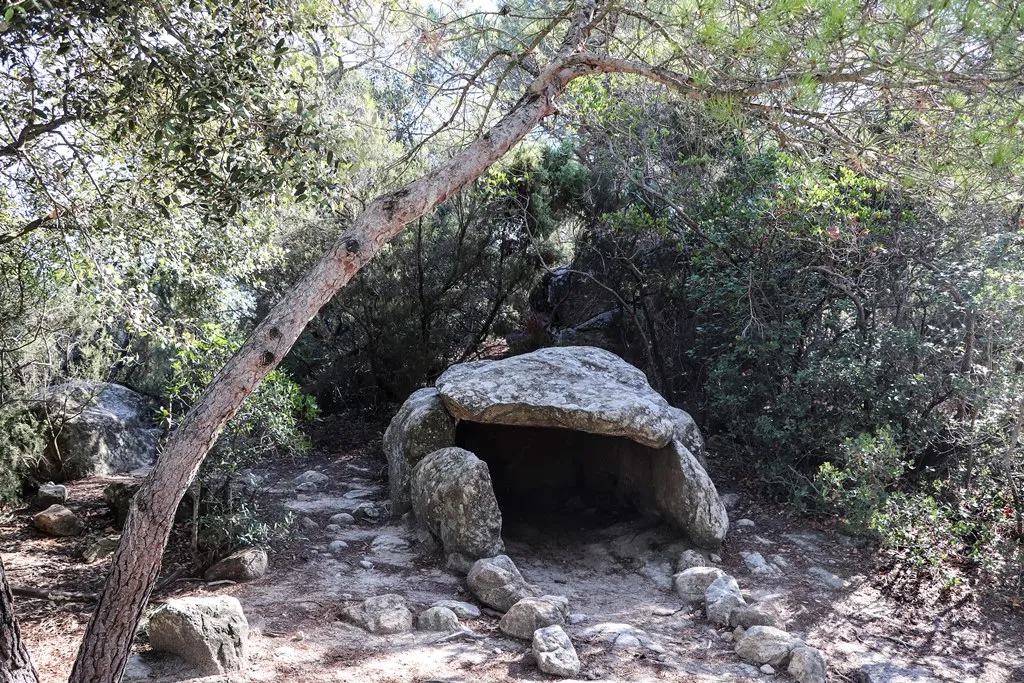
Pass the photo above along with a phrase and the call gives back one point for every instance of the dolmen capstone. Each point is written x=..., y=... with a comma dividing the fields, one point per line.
x=650, y=449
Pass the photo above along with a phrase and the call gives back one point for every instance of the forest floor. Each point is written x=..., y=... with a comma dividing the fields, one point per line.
x=869, y=624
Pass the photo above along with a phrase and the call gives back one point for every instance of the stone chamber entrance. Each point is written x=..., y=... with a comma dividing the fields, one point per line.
x=562, y=478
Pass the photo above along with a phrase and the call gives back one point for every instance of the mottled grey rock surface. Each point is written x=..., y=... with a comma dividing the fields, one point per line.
x=381, y=614
x=530, y=614
x=721, y=598
x=497, y=583
x=438, y=619
x=57, y=520
x=453, y=497
x=575, y=387
x=421, y=426
x=807, y=665
x=247, y=564
x=99, y=428
x=555, y=653
x=766, y=645
x=210, y=633
x=686, y=496
x=691, y=584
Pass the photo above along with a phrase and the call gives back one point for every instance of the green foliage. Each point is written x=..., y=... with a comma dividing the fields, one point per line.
x=441, y=291
x=266, y=423
x=241, y=523
x=859, y=490
x=21, y=447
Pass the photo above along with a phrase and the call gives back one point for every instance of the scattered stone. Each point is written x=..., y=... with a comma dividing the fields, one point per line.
x=381, y=614
x=726, y=636
x=664, y=611
x=305, y=487
x=766, y=645
x=730, y=500
x=453, y=496
x=389, y=543
x=317, y=479
x=530, y=614
x=342, y=519
x=828, y=578
x=767, y=670
x=368, y=512
x=721, y=598
x=779, y=561
x=210, y=633
x=104, y=429
x=243, y=565
x=366, y=564
x=308, y=524
x=807, y=665
x=337, y=546
x=576, y=618
x=691, y=584
x=57, y=520
x=438, y=619
x=745, y=523
x=497, y=583
x=51, y=494
x=100, y=549
x=332, y=529
x=463, y=610
x=758, y=566
x=753, y=615
x=887, y=672
x=619, y=636
x=421, y=426
x=555, y=653
x=717, y=559
x=690, y=559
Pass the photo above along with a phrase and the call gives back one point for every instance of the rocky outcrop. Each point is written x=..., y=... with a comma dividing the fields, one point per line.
x=421, y=426
x=210, y=633
x=691, y=584
x=453, y=497
x=721, y=598
x=96, y=428
x=497, y=583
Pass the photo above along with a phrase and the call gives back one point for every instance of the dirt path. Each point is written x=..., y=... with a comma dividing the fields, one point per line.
x=614, y=574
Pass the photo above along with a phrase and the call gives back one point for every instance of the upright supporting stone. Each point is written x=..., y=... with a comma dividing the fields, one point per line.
x=421, y=426
x=685, y=494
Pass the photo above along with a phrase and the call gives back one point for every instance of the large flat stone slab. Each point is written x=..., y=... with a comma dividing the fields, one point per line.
x=578, y=387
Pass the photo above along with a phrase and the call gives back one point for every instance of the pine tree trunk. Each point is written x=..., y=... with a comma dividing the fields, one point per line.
x=15, y=663
x=136, y=562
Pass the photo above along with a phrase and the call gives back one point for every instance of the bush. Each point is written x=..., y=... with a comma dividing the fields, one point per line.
x=266, y=425
x=21, y=448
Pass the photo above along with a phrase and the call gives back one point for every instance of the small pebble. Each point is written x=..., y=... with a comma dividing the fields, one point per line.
x=717, y=559
x=335, y=546
x=745, y=523
x=308, y=524
x=366, y=564
x=332, y=529
x=768, y=670
x=306, y=487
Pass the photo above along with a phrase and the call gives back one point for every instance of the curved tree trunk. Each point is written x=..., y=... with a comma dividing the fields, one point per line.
x=15, y=663
x=136, y=562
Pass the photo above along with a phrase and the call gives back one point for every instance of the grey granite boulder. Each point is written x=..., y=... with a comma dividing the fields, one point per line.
x=530, y=614
x=497, y=583
x=554, y=652
x=210, y=633
x=464, y=610
x=721, y=598
x=50, y=494
x=247, y=564
x=452, y=496
x=807, y=665
x=381, y=614
x=752, y=615
x=577, y=387
x=766, y=645
x=97, y=428
x=421, y=426
x=692, y=584
x=686, y=496
x=438, y=619
x=57, y=520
